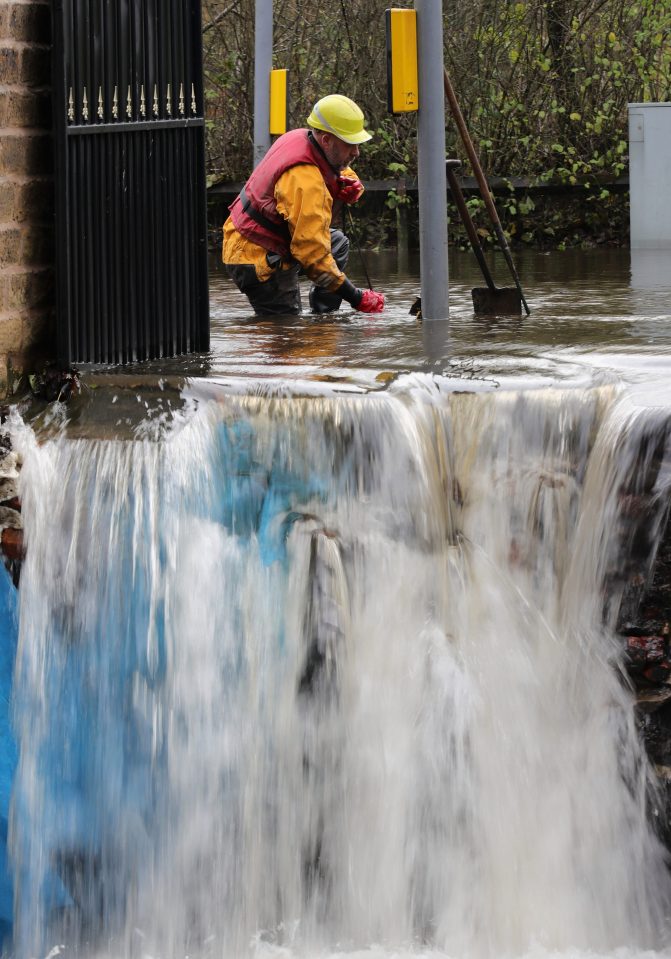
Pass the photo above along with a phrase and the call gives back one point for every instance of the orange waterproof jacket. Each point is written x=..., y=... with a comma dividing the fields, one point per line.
x=254, y=212
x=297, y=199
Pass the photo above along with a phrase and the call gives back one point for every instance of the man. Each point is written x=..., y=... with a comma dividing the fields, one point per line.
x=280, y=224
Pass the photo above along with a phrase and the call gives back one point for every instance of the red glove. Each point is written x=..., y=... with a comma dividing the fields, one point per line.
x=371, y=302
x=349, y=189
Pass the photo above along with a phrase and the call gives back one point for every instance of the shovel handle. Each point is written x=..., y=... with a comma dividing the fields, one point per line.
x=460, y=204
x=482, y=182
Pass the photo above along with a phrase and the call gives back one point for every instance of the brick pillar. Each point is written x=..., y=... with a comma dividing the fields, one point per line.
x=26, y=188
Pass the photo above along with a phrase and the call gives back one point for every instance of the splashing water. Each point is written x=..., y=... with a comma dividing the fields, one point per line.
x=336, y=674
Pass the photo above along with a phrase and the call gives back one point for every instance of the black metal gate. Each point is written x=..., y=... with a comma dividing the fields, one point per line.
x=131, y=228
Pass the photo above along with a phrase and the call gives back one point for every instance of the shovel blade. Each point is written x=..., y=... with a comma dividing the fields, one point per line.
x=497, y=302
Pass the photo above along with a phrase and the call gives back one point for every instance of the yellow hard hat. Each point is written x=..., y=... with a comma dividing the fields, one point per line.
x=340, y=116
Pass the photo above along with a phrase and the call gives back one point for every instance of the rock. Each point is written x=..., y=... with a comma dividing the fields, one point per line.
x=650, y=700
x=10, y=518
x=659, y=673
x=654, y=624
x=9, y=491
x=8, y=466
x=11, y=544
x=54, y=383
x=646, y=650
x=656, y=731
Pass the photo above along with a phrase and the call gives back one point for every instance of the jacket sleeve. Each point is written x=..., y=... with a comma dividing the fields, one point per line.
x=306, y=204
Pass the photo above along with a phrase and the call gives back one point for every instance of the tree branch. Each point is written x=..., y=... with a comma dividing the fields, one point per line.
x=220, y=16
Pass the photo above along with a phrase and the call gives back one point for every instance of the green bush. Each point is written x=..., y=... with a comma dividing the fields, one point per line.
x=543, y=85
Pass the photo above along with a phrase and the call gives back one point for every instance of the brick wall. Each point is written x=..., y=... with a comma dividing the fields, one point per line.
x=26, y=188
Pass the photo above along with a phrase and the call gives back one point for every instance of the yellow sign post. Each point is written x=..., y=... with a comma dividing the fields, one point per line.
x=279, y=98
x=402, y=79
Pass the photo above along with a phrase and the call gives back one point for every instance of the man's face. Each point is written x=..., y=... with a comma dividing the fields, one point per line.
x=337, y=152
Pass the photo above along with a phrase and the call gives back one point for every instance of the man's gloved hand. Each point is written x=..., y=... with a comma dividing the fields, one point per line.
x=371, y=302
x=349, y=189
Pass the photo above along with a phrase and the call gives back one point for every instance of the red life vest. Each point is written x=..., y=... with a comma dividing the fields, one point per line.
x=254, y=210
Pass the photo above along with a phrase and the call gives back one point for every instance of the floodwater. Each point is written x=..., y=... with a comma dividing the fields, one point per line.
x=589, y=310
x=596, y=316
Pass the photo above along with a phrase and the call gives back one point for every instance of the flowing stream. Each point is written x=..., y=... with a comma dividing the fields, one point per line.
x=311, y=676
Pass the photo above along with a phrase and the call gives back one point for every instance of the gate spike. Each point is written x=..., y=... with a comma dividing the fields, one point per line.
x=115, y=103
x=143, y=102
x=71, y=106
x=155, y=103
x=129, y=105
x=101, y=111
x=168, y=101
x=85, y=105
x=181, y=99
x=193, y=98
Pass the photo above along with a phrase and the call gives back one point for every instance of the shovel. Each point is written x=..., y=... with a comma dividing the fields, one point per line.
x=482, y=182
x=490, y=299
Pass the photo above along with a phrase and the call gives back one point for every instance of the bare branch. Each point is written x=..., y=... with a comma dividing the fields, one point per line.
x=220, y=16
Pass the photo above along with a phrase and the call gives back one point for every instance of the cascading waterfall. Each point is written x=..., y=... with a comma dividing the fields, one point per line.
x=313, y=674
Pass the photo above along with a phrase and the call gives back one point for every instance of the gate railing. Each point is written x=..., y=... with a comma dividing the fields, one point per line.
x=130, y=180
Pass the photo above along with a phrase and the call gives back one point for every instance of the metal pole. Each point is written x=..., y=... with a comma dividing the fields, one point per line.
x=263, y=64
x=431, y=162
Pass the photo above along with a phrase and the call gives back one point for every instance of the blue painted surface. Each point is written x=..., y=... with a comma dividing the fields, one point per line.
x=8, y=752
x=92, y=805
